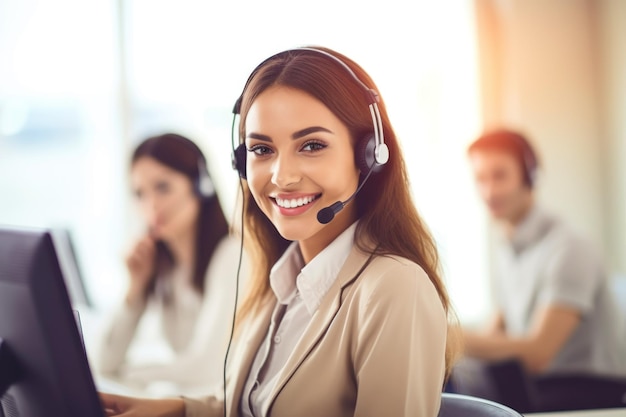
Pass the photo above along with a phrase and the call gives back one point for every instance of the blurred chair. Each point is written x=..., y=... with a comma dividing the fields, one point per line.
x=458, y=405
x=564, y=392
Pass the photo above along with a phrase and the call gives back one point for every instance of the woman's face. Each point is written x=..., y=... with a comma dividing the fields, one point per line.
x=166, y=198
x=300, y=160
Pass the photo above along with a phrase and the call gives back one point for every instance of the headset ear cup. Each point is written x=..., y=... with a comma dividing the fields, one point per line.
x=364, y=154
x=204, y=187
x=529, y=163
x=203, y=184
x=530, y=175
x=239, y=160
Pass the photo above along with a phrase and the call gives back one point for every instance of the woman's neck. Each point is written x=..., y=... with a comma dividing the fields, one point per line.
x=183, y=248
x=312, y=246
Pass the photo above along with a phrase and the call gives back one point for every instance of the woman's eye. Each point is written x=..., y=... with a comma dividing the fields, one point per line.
x=313, y=146
x=162, y=187
x=260, y=150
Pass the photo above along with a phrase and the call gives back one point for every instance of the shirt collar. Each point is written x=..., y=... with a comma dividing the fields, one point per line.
x=314, y=279
x=532, y=228
x=284, y=271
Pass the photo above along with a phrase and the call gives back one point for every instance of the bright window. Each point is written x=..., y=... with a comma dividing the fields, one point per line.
x=60, y=143
x=83, y=87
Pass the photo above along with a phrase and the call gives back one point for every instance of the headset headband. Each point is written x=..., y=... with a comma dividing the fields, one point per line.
x=381, y=152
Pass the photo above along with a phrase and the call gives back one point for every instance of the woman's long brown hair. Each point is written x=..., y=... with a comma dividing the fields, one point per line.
x=385, y=206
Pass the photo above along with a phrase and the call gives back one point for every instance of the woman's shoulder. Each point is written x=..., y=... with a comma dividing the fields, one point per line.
x=382, y=262
x=226, y=252
x=229, y=244
x=391, y=260
x=225, y=261
x=394, y=273
x=396, y=283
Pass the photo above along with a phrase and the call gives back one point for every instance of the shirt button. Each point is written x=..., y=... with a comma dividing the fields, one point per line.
x=277, y=339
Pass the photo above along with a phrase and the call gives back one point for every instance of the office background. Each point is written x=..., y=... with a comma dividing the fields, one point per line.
x=82, y=81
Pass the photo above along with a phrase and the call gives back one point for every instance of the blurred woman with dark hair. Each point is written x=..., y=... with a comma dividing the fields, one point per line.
x=183, y=270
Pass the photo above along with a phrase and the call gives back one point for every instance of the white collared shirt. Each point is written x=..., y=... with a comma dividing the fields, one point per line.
x=299, y=290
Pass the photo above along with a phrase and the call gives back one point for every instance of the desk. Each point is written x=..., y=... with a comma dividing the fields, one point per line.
x=609, y=412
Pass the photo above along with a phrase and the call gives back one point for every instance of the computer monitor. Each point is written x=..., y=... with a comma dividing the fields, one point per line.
x=39, y=335
x=72, y=271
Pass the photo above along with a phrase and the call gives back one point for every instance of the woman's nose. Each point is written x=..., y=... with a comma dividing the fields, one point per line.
x=285, y=171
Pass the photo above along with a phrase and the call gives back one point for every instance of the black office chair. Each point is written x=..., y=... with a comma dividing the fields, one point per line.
x=458, y=405
x=542, y=394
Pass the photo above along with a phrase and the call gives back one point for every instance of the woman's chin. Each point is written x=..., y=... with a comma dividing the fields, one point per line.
x=294, y=232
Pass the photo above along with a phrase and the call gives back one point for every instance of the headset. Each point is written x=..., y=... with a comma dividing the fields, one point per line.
x=203, y=185
x=528, y=156
x=529, y=160
x=517, y=145
x=370, y=152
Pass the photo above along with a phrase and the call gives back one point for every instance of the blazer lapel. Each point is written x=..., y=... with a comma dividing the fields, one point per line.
x=247, y=346
x=352, y=268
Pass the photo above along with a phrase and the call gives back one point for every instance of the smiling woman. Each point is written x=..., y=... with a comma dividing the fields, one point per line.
x=354, y=307
x=301, y=139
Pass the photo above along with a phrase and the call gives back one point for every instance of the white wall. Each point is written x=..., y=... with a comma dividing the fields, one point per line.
x=611, y=16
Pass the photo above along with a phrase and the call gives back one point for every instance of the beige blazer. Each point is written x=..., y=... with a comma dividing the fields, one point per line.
x=375, y=347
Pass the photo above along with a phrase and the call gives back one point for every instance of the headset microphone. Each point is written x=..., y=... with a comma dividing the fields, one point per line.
x=326, y=214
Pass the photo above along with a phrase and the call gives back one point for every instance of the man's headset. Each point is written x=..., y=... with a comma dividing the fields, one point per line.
x=529, y=159
x=514, y=143
x=370, y=153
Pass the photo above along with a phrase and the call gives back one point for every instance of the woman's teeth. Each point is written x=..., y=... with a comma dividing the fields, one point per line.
x=294, y=202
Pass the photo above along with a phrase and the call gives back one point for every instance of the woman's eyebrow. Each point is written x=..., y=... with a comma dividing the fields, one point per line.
x=296, y=135
x=258, y=136
x=308, y=131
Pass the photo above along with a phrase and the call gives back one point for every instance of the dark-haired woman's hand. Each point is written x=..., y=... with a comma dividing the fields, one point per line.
x=140, y=264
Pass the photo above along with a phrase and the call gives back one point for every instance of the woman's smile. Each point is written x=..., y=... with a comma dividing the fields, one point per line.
x=294, y=204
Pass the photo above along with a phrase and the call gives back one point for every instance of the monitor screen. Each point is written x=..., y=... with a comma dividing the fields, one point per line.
x=72, y=271
x=39, y=334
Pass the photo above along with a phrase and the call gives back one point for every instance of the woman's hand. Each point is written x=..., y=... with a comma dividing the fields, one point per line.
x=120, y=406
x=140, y=264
